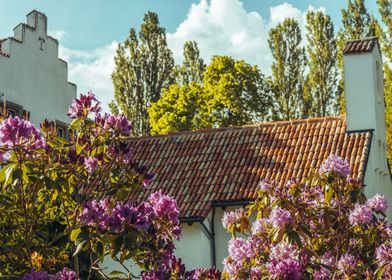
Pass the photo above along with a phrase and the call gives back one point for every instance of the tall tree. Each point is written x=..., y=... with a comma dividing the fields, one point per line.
x=143, y=67
x=357, y=23
x=193, y=66
x=385, y=9
x=287, y=70
x=232, y=93
x=321, y=52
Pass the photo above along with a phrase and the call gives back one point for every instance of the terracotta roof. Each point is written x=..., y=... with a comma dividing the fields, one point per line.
x=360, y=46
x=203, y=167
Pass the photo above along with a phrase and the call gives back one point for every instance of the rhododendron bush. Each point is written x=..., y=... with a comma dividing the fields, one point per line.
x=323, y=228
x=64, y=204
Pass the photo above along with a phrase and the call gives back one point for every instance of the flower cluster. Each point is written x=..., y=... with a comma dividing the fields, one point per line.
x=335, y=164
x=123, y=216
x=16, y=132
x=117, y=123
x=81, y=107
x=324, y=228
x=234, y=219
x=65, y=274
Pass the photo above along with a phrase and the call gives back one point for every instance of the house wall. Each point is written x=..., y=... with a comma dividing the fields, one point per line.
x=31, y=74
x=364, y=90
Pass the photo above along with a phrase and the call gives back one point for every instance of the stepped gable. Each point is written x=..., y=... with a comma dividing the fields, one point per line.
x=225, y=165
x=37, y=24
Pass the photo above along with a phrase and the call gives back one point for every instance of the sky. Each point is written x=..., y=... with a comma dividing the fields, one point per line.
x=90, y=30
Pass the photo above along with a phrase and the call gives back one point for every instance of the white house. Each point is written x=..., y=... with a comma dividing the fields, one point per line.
x=33, y=80
x=211, y=171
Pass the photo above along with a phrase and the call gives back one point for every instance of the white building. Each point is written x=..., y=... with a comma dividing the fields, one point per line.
x=33, y=80
x=215, y=170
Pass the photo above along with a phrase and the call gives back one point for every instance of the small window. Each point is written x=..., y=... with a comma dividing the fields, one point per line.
x=12, y=109
x=62, y=129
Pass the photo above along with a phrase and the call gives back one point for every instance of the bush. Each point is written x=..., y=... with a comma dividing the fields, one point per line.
x=322, y=228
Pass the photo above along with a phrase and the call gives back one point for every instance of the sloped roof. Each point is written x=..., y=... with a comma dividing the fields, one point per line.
x=360, y=46
x=203, y=167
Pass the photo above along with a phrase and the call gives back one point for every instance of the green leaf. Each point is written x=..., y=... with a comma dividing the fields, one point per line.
x=117, y=244
x=74, y=234
x=79, y=248
x=75, y=123
x=100, y=250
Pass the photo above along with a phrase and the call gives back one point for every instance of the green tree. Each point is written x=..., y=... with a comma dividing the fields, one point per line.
x=385, y=9
x=236, y=93
x=177, y=109
x=357, y=23
x=143, y=68
x=193, y=66
x=321, y=52
x=287, y=70
x=232, y=93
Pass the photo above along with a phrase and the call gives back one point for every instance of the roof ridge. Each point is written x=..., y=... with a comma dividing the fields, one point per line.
x=247, y=126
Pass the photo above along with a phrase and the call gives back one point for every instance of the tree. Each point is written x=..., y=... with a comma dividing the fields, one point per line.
x=232, y=93
x=321, y=52
x=357, y=23
x=177, y=109
x=142, y=69
x=287, y=70
x=193, y=66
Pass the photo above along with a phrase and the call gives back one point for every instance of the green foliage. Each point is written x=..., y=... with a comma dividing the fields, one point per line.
x=192, y=69
x=321, y=51
x=144, y=66
x=290, y=101
x=233, y=93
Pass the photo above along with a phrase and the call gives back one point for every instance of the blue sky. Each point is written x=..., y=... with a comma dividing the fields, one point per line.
x=89, y=30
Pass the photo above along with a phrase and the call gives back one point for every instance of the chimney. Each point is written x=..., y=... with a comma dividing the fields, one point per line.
x=364, y=90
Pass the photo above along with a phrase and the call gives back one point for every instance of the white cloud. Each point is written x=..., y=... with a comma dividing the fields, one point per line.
x=220, y=27
x=57, y=34
x=91, y=70
x=224, y=27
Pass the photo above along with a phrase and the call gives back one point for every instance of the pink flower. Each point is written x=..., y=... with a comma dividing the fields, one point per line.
x=19, y=132
x=91, y=164
x=384, y=254
x=378, y=203
x=84, y=105
x=335, y=164
x=264, y=185
x=280, y=218
x=258, y=227
x=66, y=274
x=240, y=248
x=231, y=218
x=284, y=250
x=361, y=214
x=164, y=206
x=347, y=263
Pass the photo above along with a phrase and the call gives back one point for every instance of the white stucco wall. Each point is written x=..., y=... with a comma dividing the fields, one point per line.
x=33, y=76
x=364, y=90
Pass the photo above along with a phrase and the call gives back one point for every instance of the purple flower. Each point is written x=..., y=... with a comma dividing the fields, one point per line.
x=284, y=250
x=378, y=203
x=164, y=206
x=95, y=213
x=288, y=269
x=280, y=218
x=231, y=218
x=66, y=274
x=19, y=132
x=361, y=214
x=240, y=248
x=91, y=164
x=84, y=105
x=204, y=273
x=264, y=185
x=347, y=263
x=258, y=226
x=37, y=275
x=335, y=164
x=384, y=254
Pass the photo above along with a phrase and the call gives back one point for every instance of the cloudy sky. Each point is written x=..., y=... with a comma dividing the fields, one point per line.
x=89, y=30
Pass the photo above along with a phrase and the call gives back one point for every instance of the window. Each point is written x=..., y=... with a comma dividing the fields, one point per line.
x=12, y=109
x=62, y=129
